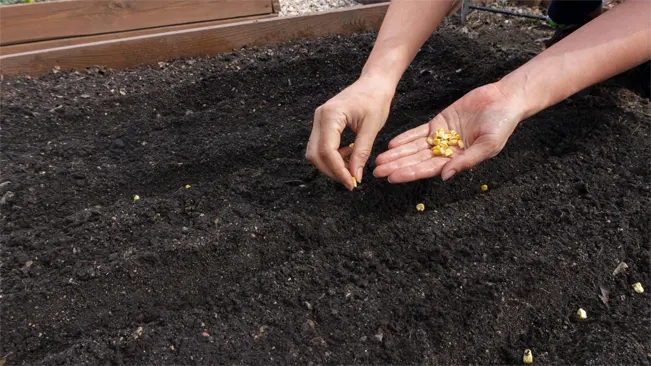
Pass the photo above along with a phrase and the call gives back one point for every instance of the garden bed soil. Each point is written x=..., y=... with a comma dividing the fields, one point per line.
x=262, y=260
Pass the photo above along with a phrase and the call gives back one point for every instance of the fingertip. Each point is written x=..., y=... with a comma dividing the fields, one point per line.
x=447, y=174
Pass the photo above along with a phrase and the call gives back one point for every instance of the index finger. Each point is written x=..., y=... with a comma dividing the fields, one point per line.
x=330, y=140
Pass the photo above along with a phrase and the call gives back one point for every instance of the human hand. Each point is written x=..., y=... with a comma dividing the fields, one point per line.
x=363, y=107
x=485, y=118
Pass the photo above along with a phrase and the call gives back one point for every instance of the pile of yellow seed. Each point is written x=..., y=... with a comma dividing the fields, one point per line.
x=441, y=142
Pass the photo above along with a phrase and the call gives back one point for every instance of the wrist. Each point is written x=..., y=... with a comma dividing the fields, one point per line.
x=380, y=79
x=380, y=83
x=514, y=89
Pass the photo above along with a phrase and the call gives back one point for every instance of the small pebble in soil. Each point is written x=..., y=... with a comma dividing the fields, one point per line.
x=4, y=186
x=621, y=268
x=8, y=197
x=379, y=337
x=118, y=143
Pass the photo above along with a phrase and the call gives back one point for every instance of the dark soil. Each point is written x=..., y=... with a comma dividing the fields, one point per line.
x=275, y=263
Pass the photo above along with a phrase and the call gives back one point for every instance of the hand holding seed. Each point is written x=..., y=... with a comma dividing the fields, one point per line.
x=471, y=130
x=363, y=107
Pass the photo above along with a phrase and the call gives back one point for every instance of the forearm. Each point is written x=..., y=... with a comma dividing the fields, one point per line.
x=406, y=26
x=612, y=43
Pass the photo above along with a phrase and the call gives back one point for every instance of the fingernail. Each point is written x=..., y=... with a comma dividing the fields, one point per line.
x=389, y=180
x=359, y=175
x=447, y=175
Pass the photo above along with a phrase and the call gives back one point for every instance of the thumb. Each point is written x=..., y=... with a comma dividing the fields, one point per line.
x=362, y=149
x=475, y=154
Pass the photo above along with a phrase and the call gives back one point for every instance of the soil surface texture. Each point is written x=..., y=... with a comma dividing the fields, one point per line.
x=238, y=252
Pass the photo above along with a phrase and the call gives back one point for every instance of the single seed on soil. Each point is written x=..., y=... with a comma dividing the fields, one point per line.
x=527, y=358
x=621, y=267
x=171, y=348
x=420, y=207
x=136, y=197
x=638, y=287
x=187, y=186
x=484, y=187
x=582, y=314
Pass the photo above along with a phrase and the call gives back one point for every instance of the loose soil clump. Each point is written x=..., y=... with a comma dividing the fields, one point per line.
x=262, y=260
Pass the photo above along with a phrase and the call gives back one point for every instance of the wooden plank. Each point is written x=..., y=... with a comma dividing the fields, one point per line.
x=204, y=41
x=58, y=19
x=43, y=45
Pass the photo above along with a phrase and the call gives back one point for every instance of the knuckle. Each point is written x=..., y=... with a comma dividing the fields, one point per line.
x=363, y=154
x=324, y=110
x=323, y=152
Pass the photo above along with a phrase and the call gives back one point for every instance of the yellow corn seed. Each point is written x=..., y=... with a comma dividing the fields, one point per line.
x=582, y=314
x=527, y=358
x=440, y=132
x=420, y=207
x=187, y=186
x=354, y=182
x=436, y=150
x=136, y=197
x=454, y=133
x=453, y=142
x=351, y=145
x=461, y=144
x=432, y=141
x=448, y=152
x=638, y=287
x=444, y=145
x=445, y=136
x=484, y=188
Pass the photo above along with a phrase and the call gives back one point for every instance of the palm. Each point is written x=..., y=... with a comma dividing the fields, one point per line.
x=484, y=118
